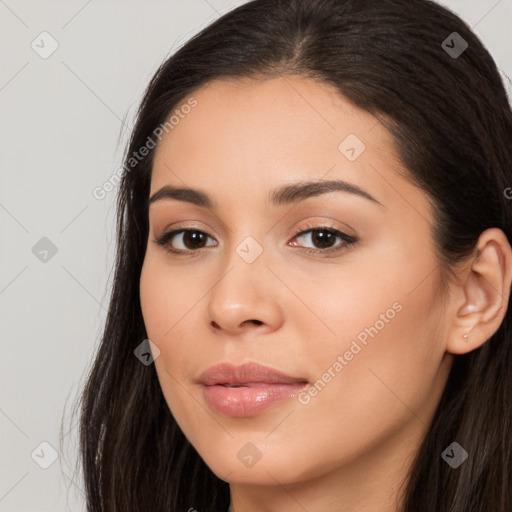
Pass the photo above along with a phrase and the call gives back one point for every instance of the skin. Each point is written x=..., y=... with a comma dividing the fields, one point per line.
x=351, y=446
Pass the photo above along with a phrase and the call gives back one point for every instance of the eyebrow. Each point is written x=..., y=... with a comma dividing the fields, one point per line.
x=285, y=194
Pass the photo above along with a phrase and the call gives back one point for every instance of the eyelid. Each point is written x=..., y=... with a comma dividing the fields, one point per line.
x=187, y=226
x=326, y=220
x=323, y=225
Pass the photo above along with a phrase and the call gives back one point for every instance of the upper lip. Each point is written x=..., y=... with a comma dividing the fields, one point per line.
x=228, y=374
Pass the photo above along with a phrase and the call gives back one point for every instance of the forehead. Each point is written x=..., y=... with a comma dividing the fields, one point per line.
x=253, y=135
x=257, y=118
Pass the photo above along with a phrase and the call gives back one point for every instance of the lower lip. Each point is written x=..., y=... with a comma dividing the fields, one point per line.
x=248, y=400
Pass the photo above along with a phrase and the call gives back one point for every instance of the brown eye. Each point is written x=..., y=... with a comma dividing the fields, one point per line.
x=184, y=240
x=193, y=239
x=324, y=239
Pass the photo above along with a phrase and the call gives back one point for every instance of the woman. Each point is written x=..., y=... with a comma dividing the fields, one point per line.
x=310, y=305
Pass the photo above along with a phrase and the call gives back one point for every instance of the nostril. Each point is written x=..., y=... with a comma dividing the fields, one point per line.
x=217, y=326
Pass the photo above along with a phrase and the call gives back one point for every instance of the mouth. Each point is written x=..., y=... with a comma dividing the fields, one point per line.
x=247, y=389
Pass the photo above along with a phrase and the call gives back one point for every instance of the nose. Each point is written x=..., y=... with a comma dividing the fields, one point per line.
x=246, y=296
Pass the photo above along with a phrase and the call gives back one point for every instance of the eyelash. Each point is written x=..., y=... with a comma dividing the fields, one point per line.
x=348, y=240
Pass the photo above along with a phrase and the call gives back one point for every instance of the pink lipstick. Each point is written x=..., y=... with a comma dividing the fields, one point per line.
x=248, y=389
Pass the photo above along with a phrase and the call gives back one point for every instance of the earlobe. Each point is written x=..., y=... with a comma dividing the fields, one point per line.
x=484, y=289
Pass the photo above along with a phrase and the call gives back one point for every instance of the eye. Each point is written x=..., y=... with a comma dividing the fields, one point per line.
x=325, y=238
x=187, y=240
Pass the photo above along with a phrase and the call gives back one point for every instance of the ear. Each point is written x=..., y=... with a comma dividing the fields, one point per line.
x=481, y=293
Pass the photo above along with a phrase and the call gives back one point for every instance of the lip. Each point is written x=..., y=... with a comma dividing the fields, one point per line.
x=227, y=373
x=247, y=389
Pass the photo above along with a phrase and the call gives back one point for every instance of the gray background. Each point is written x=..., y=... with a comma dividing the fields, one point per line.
x=62, y=121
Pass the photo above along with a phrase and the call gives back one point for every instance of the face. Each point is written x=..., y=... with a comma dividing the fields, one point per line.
x=335, y=285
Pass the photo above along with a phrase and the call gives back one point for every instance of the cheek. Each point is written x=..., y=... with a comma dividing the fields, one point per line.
x=166, y=299
x=162, y=309
x=165, y=314
x=171, y=306
x=383, y=360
